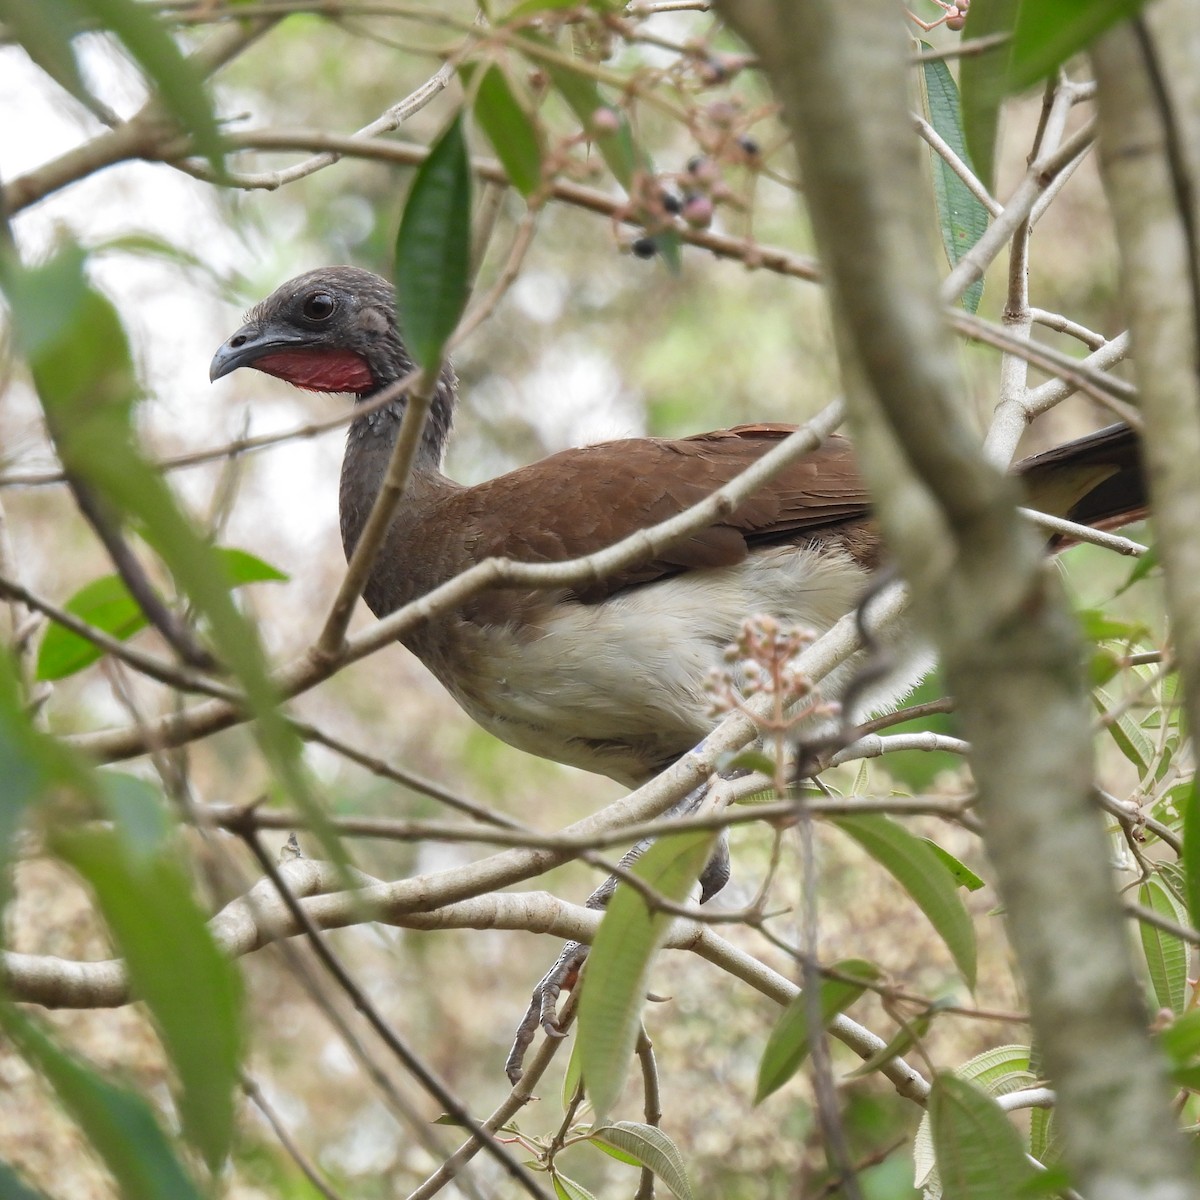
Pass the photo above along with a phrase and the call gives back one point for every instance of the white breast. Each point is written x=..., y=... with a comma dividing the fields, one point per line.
x=618, y=687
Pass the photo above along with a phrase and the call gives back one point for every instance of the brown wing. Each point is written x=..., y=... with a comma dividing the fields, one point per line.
x=581, y=500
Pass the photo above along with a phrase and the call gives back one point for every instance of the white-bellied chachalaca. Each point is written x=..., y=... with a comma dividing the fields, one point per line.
x=609, y=676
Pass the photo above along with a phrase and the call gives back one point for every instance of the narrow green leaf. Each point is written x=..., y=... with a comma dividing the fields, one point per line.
x=177, y=80
x=614, y=979
x=1145, y=564
x=961, y=217
x=999, y=1070
x=244, y=567
x=670, y=246
x=83, y=371
x=510, y=129
x=602, y=121
x=924, y=877
x=147, y=245
x=1125, y=732
x=13, y=1187
x=433, y=248
x=979, y=1153
x=567, y=1189
x=118, y=1123
x=981, y=79
x=1166, y=954
x=1191, y=853
x=191, y=989
x=651, y=1148
x=1104, y=666
x=533, y=8
x=790, y=1040
x=1099, y=626
x=903, y=1040
x=963, y=875
x=1046, y=35
x=571, y=1076
x=1043, y=1136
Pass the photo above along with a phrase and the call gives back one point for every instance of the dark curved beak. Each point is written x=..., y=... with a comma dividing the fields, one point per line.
x=248, y=345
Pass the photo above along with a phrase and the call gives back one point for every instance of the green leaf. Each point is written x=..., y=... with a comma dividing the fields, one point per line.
x=191, y=989
x=1099, y=626
x=1181, y=1039
x=999, y=1070
x=979, y=1153
x=1166, y=954
x=1043, y=1136
x=981, y=79
x=571, y=1077
x=924, y=877
x=1191, y=853
x=177, y=80
x=651, y=1148
x=907, y=1036
x=790, y=1040
x=244, y=567
x=118, y=1123
x=1046, y=35
x=670, y=247
x=605, y=123
x=81, y=365
x=1126, y=732
x=433, y=248
x=962, y=218
x=757, y=761
x=614, y=979
x=568, y=1189
x=106, y=604
x=1144, y=565
x=1103, y=667
x=963, y=875
x=510, y=129
x=532, y=8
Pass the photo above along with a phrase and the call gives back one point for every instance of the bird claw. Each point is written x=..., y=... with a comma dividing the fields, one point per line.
x=543, y=1007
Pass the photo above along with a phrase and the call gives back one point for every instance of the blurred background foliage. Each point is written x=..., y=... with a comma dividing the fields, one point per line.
x=591, y=342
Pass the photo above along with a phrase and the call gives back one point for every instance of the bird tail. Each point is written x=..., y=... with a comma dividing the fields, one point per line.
x=1095, y=480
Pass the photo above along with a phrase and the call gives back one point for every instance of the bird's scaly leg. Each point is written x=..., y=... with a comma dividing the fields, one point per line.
x=542, y=1010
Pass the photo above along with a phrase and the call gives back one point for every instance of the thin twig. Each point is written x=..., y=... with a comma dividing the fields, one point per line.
x=404, y=1054
x=307, y=1167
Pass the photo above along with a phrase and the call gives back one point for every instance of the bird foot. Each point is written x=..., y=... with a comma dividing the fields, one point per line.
x=543, y=1007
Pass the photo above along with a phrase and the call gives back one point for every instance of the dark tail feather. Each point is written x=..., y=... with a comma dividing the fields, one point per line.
x=1095, y=480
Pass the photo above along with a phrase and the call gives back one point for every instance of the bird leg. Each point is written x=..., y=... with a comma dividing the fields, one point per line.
x=543, y=1005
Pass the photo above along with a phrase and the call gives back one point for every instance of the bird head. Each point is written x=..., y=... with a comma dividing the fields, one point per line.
x=331, y=330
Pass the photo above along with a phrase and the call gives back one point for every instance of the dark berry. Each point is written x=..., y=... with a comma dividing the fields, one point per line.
x=696, y=163
x=671, y=202
x=645, y=247
x=749, y=147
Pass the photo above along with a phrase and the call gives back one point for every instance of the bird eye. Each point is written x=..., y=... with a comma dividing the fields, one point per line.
x=319, y=306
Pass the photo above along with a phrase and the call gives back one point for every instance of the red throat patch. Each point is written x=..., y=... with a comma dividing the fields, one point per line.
x=319, y=370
